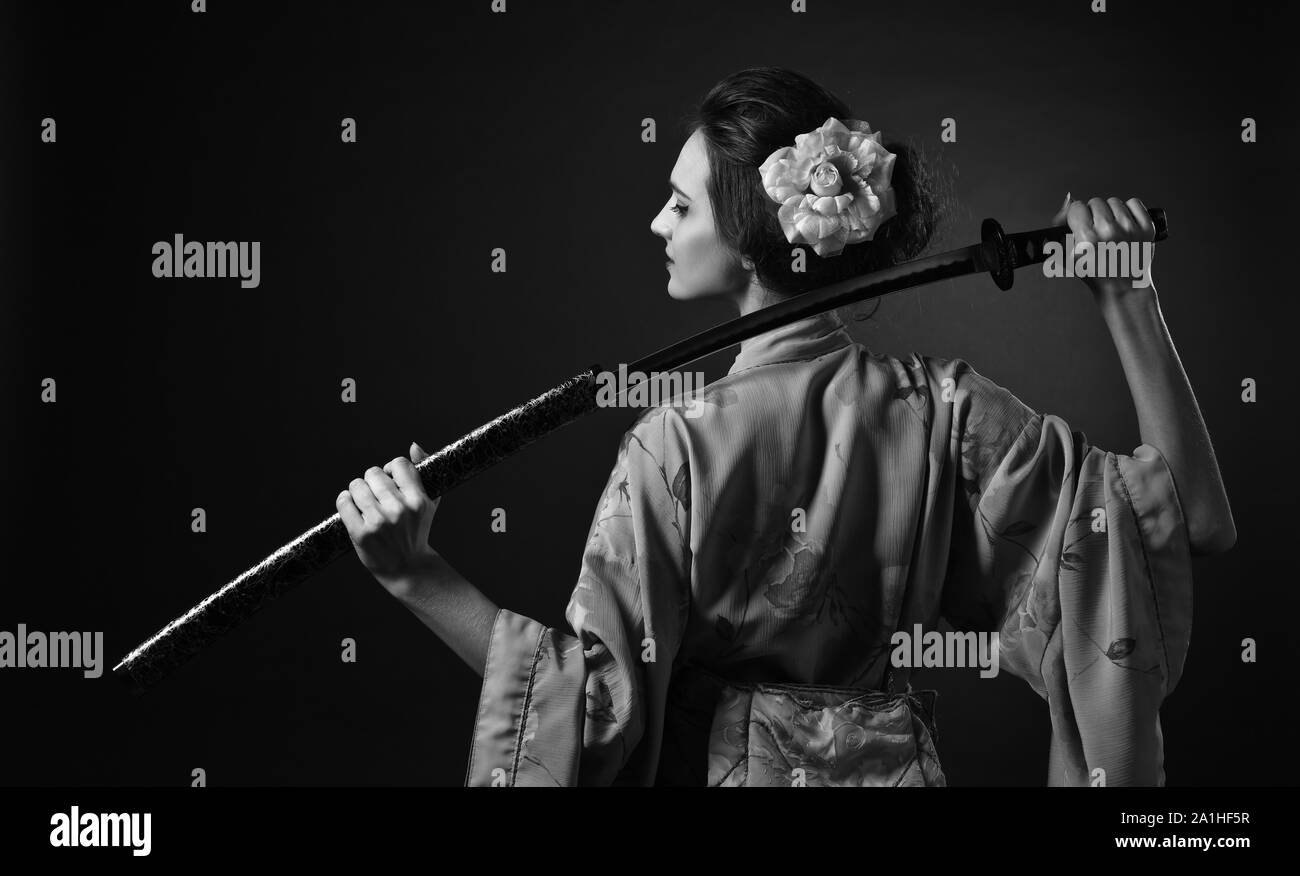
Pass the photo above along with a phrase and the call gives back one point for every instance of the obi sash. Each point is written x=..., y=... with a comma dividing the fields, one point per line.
x=723, y=733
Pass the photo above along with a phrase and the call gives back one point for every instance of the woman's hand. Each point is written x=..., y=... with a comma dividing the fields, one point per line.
x=388, y=515
x=1111, y=220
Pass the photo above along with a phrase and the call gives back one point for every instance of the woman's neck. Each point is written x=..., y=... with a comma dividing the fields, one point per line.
x=755, y=297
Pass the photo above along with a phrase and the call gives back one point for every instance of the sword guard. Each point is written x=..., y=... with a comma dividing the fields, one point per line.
x=1160, y=221
x=997, y=254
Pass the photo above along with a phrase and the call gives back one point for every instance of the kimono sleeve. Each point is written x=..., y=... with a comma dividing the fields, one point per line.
x=1079, y=558
x=584, y=706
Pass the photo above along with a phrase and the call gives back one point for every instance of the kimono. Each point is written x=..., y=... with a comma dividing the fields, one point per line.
x=751, y=558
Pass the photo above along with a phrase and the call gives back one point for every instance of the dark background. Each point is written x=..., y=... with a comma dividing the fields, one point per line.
x=523, y=131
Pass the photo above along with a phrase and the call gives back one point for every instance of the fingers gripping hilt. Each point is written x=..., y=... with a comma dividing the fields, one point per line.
x=1002, y=253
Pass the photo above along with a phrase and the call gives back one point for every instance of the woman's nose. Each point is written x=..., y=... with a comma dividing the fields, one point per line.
x=659, y=224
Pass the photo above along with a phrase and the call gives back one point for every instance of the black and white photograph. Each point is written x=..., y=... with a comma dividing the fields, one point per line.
x=409, y=399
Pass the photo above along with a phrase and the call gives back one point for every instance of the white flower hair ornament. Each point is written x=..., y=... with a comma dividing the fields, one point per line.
x=833, y=185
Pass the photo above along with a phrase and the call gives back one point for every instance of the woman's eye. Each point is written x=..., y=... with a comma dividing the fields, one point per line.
x=679, y=209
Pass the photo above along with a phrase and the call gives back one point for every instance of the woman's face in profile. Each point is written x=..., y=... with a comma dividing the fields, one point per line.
x=699, y=264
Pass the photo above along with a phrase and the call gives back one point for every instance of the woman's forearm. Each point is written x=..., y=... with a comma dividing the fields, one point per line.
x=1168, y=416
x=453, y=608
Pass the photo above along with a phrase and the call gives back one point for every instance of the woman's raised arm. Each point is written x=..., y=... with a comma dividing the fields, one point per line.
x=1168, y=416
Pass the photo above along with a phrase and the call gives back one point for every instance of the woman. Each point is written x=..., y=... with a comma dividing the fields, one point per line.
x=747, y=570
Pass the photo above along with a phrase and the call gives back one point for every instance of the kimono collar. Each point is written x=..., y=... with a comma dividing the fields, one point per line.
x=808, y=338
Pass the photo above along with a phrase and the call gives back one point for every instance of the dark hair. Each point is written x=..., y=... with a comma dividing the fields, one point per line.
x=748, y=116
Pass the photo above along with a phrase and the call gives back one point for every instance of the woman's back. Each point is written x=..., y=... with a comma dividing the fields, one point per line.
x=825, y=499
x=808, y=468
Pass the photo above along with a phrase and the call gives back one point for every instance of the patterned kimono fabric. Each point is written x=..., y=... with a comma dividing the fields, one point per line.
x=750, y=559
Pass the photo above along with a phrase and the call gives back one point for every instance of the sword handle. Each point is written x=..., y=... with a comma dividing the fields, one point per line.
x=298, y=560
x=1002, y=253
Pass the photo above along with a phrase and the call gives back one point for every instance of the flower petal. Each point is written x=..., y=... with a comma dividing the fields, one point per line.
x=786, y=216
x=833, y=129
x=829, y=246
x=882, y=175
x=780, y=154
x=870, y=201
x=810, y=146
x=875, y=162
x=814, y=226
x=826, y=206
x=785, y=175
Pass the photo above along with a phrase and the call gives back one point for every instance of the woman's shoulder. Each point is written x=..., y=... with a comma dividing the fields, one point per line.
x=920, y=380
x=743, y=393
x=940, y=373
x=950, y=385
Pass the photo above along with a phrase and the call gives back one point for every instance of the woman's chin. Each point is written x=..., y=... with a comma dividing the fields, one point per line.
x=680, y=293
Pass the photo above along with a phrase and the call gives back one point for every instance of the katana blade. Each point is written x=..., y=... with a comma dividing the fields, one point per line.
x=997, y=253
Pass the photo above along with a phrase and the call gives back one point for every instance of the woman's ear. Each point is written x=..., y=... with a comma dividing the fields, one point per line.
x=747, y=263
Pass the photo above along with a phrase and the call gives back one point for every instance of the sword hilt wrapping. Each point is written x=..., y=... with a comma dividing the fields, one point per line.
x=328, y=540
x=1002, y=253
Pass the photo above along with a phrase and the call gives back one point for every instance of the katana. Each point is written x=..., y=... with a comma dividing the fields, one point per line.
x=998, y=254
